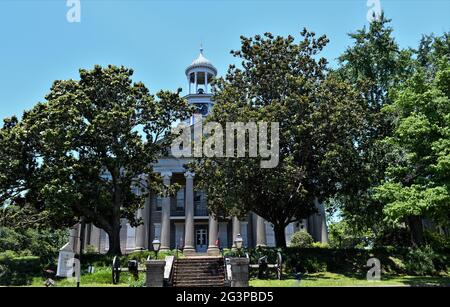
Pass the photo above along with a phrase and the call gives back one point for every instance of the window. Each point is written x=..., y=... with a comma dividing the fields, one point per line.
x=180, y=200
x=200, y=208
x=157, y=231
x=244, y=233
x=157, y=202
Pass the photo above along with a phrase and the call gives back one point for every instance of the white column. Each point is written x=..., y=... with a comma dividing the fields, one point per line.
x=189, y=81
x=74, y=238
x=321, y=222
x=165, y=215
x=236, y=228
x=206, y=82
x=140, y=215
x=213, y=249
x=260, y=231
x=196, y=83
x=147, y=209
x=140, y=231
x=189, y=214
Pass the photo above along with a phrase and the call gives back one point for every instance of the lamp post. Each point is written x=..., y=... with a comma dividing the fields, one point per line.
x=238, y=243
x=156, y=245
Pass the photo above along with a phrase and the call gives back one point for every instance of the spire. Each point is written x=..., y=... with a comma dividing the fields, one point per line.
x=201, y=48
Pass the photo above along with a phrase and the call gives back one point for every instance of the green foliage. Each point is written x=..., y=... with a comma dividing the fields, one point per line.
x=104, y=260
x=436, y=239
x=90, y=249
x=301, y=239
x=418, y=181
x=18, y=270
x=425, y=261
x=373, y=64
x=342, y=235
x=320, y=245
x=43, y=243
x=352, y=262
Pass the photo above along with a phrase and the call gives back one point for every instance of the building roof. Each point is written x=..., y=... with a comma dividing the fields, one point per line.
x=201, y=62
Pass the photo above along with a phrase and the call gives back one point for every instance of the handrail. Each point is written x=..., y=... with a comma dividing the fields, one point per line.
x=227, y=278
x=172, y=269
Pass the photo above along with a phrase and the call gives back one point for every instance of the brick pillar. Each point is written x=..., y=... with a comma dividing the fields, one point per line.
x=239, y=272
x=155, y=273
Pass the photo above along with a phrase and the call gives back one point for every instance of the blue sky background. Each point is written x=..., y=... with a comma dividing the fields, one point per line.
x=158, y=39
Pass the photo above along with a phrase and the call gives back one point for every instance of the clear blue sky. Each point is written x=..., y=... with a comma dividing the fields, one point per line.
x=158, y=39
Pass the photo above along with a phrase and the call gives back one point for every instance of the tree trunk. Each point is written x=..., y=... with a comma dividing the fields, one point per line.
x=280, y=237
x=416, y=230
x=114, y=241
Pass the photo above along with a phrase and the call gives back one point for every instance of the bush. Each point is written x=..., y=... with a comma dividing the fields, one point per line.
x=301, y=239
x=436, y=239
x=43, y=243
x=350, y=261
x=18, y=270
x=320, y=245
x=425, y=261
x=103, y=260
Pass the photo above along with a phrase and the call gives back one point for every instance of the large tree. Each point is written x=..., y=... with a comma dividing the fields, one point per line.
x=374, y=64
x=283, y=81
x=417, y=183
x=84, y=151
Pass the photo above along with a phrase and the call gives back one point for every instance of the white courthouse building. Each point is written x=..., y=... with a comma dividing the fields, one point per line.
x=183, y=220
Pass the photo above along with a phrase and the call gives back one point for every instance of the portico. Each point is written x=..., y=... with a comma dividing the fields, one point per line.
x=200, y=230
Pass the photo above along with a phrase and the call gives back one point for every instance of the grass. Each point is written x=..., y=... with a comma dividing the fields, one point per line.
x=328, y=279
x=102, y=278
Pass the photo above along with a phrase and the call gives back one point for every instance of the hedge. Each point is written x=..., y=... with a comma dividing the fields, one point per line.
x=15, y=271
x=394, y=261
x=102, y=260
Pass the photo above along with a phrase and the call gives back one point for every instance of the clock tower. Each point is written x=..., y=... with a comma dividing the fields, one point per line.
x=199, y=75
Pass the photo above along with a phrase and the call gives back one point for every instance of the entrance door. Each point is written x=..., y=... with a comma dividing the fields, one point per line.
x=201, y=239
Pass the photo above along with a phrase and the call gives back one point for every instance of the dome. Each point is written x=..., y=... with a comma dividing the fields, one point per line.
x=201, y=62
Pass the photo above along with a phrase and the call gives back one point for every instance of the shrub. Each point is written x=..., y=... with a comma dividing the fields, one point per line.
x=90, y=249
x=320, y=245
x=18, y=270
x=425, y=261
x=43, y=243
x=103, y=260
x=436, y=239
x=301, y=239
x=349, y=261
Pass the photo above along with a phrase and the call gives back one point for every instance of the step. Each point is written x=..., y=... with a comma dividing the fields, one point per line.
x=196, y=266
x=218, y=272
x=199, y=285
x=199, y=261
x=199, y=272
x=185, y=277
x=206, y=266
x=208, y=270
x=198, y=269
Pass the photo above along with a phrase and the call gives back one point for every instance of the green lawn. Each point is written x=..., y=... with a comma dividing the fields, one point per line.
x=337, y=280
x=102, y=278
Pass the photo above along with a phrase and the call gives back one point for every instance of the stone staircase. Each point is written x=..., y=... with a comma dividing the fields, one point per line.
x=199, y=272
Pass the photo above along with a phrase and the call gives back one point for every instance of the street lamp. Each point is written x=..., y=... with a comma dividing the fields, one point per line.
x=156, y=245
x=238, y=243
